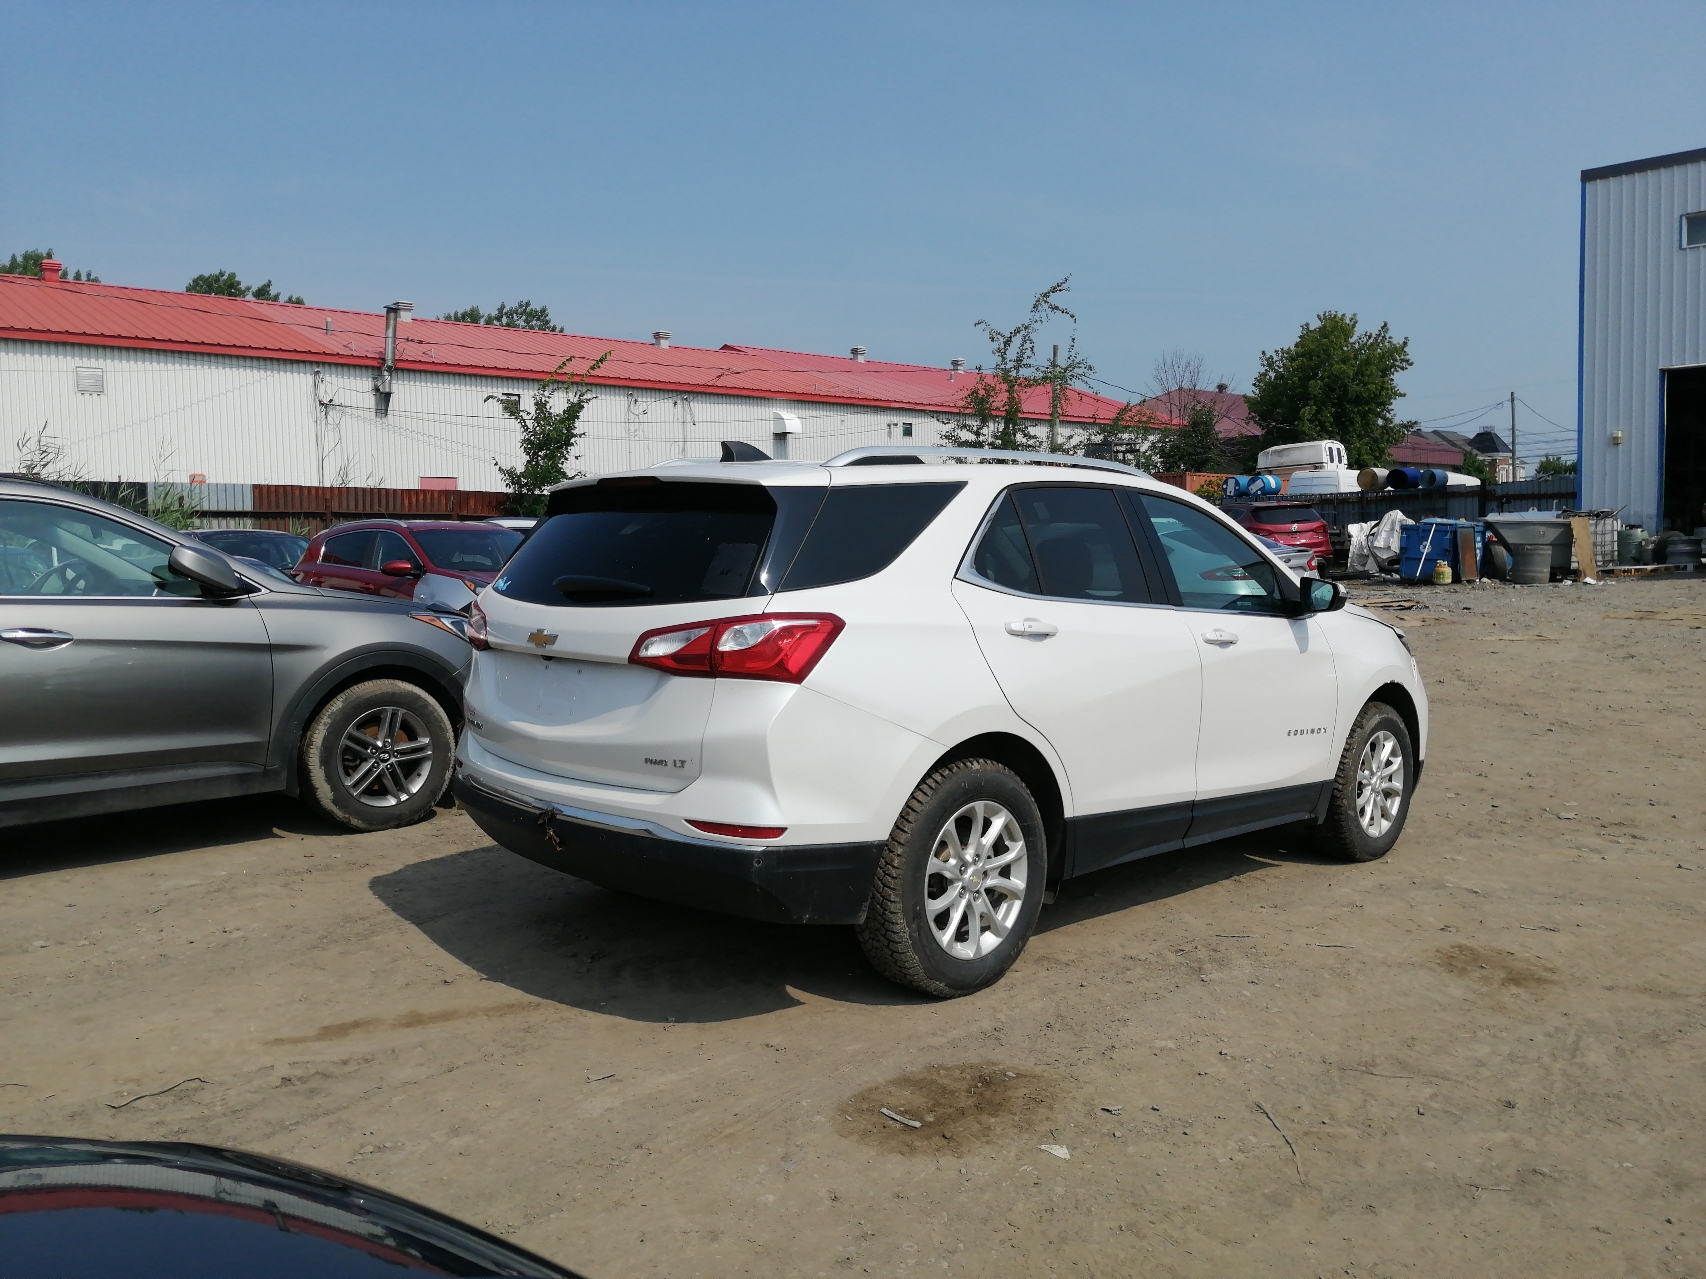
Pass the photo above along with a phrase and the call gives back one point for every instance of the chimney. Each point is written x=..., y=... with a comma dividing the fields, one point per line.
x=1221, y=387
x=50, y=270
x=660, y=339
x=956, y=366
x=405, y=311
x=382, y=379
x=858, y=354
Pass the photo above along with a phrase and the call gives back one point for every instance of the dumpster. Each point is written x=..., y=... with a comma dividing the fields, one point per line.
x=1430, y=540
x=1535, y=528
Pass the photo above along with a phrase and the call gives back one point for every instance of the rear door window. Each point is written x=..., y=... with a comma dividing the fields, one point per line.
x=644, y=542
x=861, y=529
x=1065, y=542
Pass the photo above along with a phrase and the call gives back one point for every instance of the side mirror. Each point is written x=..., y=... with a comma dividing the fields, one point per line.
x=399, y=568
x=207, y=569
x=1322, y=596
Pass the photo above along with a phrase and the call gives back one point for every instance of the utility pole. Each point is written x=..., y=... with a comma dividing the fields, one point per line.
x=1516, y=464
x=1054, y=400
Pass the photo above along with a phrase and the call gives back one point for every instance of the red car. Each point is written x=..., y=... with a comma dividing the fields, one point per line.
x=439, y=562
x=1289, y=523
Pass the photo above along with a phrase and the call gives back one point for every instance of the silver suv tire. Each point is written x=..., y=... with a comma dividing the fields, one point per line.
x=960, y=883
x=377, y=756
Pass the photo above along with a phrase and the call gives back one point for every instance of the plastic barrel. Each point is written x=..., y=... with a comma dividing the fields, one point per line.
x=1262, y=485
x=1232, y=486
x=1435, y=479
x=1404, y=477
x=1531, y=565
x=1371, y=479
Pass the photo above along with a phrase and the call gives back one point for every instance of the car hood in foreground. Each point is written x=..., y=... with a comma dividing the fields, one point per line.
x=165, y=1208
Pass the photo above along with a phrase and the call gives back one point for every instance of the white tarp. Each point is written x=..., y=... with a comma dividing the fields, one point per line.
x=1375, y=547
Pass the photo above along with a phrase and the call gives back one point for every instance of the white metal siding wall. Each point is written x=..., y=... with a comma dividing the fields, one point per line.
x=165, y=415
x=1642, y=302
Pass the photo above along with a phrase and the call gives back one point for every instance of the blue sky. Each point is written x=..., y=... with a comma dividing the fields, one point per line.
x=813, y=176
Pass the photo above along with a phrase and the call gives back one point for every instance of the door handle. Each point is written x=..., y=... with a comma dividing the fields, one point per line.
x=36, y=637
x=1032, y=626
x=1226, y=639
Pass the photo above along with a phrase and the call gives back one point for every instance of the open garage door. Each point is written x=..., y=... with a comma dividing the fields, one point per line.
x=1685, y=449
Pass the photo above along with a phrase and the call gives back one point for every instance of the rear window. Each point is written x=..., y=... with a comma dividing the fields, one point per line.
x=647, y=543
x=861, y=530
x=1286, y=515
x=468, y=550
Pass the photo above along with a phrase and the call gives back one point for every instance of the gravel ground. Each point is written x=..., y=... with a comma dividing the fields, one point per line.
x=1481, y=1055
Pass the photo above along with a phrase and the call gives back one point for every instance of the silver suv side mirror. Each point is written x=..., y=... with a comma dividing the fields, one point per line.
x=207, y=569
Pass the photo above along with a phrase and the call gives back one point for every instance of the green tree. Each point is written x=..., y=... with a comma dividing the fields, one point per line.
x=1333, y=383
x=1552, y=464
x=995, y=400
x=29, y=263
x=1474, y=464
x=225, y=284
x=522, y=315
x=1195, y=446
x=548, y=435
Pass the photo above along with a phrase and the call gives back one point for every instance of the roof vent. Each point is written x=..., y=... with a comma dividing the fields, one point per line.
x=956, y=366
x=50, y=270
x=405, y=310
x=660, y=339
x=1221, y=387
x=858, y=354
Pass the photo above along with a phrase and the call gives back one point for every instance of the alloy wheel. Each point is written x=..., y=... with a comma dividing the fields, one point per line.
x=1380, y=783
x=974, y=883
x=385, y=757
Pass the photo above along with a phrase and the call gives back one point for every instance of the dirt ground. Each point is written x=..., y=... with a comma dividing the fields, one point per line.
x=1479, y=1056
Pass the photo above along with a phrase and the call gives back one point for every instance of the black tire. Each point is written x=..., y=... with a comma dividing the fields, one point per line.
x=1344, y=834
x=898, y=934
x=378, y=786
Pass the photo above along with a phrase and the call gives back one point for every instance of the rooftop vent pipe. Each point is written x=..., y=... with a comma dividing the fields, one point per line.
x=50, y=270
x=954, y=367
x=382, y=380
x=660, y=339
x=859, y=354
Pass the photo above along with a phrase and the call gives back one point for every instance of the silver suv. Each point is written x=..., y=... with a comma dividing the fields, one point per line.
x=140, y=667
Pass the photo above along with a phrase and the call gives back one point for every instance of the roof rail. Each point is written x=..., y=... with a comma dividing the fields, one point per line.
x=868, y=455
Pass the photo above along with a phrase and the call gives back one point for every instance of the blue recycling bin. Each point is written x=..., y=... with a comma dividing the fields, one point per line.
x=1427, y=541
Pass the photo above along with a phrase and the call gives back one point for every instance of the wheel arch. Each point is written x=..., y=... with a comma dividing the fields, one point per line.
x=1399, y=699
x=1035, y=771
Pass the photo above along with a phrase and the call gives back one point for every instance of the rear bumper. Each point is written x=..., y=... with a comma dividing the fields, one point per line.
x=797, y=884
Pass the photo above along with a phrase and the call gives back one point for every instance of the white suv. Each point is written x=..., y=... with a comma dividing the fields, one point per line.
x=911, y=693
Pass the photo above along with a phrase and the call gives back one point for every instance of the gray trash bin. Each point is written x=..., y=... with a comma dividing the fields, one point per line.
x=1532, y=564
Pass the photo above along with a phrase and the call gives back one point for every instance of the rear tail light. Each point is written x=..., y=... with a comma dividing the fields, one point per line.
x=477, y=626
x=783, y=646
x=739, y=832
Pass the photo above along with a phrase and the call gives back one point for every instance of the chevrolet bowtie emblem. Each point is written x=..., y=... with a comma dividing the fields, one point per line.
x=542, y=639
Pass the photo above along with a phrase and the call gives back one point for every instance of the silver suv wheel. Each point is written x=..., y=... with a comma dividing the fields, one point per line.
x=385, y=757
x=975, y=880
x=1380, y=783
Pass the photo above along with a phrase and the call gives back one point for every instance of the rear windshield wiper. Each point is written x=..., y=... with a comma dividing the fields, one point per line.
x=575, y=587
